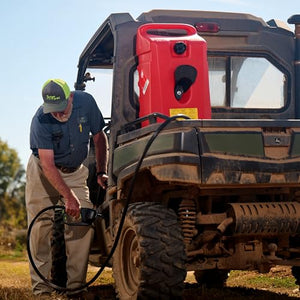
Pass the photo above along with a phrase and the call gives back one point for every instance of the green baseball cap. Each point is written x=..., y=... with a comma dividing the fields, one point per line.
x=55, y=93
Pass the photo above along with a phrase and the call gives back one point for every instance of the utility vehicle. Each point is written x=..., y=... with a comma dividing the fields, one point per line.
x=212, y=101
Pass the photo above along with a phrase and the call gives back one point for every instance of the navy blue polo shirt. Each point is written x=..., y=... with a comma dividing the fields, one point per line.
x=69, y=140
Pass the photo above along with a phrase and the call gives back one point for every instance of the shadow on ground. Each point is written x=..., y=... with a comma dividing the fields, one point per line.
x=195, y=292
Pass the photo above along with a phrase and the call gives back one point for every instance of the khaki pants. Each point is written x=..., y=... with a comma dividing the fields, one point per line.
x=41, y=194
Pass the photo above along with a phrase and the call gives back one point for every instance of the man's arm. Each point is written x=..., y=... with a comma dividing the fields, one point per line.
x=47, y=161
x=101, y=151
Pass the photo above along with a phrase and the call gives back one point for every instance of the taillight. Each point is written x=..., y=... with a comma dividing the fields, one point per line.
x=207, y=27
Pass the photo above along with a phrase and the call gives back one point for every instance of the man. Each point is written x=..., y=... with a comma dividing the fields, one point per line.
x=59, y=139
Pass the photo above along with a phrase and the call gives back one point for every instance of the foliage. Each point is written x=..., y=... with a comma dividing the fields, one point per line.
x=12, y=188
x=9, y=166
x=12, y=242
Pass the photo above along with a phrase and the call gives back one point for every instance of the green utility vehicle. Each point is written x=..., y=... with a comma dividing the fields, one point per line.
x=209, y=194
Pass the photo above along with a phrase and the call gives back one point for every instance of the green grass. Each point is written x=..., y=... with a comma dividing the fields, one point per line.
x=276, y=282
x=281, y=280
x=13, y=255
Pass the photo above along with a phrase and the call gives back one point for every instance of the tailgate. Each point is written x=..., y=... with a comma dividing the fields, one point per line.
x=250, y=151
x=216, y=152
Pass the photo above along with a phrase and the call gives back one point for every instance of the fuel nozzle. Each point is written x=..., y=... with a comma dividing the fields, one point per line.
x=87, y=217
x=185, y=76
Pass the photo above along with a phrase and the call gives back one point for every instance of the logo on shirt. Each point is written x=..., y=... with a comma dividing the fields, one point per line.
x=82, y=119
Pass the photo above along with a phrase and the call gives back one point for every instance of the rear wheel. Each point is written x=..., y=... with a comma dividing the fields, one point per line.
x=211, y=278
x=150, y=256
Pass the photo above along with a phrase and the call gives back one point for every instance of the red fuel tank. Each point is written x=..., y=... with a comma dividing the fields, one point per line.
x=172, y=71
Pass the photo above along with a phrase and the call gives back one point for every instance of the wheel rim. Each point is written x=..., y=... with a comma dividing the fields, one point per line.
x=131, y=261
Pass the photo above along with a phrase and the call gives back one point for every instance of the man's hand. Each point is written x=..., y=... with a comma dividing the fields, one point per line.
x=102, y=180
x=72, y=205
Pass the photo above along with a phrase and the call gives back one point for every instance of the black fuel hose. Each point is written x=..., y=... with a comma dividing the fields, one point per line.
x=48, y=282
x=138, y=166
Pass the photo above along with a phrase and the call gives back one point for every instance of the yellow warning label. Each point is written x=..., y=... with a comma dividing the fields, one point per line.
x=190, y=112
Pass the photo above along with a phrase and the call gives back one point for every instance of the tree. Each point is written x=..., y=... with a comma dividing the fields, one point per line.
x=9, y=166
x=12, y=186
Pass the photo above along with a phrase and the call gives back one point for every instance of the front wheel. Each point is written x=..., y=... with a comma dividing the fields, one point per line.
x=150, y=256
x=296, y=273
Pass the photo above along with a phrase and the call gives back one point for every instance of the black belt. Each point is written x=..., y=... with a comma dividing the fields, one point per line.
x=66, y=169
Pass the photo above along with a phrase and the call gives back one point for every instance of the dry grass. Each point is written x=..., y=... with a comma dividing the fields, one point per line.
x=15, y=280
x=278, y=284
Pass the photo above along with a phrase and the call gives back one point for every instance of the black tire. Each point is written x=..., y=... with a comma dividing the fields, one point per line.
x=211, y=278
x=149, y=261
x=58, y=250
x=296, y=274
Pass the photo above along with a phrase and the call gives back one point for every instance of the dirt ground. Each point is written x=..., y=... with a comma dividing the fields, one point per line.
x=276, y=285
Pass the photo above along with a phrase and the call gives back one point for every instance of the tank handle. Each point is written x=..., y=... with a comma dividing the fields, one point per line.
x=144, y=29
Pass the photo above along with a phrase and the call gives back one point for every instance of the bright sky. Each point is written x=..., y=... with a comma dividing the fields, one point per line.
x=44, y=39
